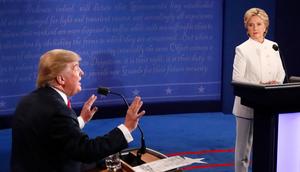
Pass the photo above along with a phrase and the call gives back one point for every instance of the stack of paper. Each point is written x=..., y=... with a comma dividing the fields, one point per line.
x=167, y=164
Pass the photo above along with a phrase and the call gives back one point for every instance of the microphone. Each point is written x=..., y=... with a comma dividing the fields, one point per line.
x=105, y=91
x=276, y=48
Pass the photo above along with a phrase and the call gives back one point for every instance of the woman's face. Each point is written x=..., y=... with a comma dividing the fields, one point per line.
x=256, y=28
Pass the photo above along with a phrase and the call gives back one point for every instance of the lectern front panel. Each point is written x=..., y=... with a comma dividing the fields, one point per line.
x=288, y=150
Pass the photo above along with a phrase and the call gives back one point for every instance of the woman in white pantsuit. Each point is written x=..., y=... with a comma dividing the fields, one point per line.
x=255, y=62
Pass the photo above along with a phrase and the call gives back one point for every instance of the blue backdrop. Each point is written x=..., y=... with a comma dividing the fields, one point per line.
x=164, y=51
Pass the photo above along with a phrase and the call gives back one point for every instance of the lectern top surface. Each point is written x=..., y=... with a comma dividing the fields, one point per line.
x=266, y=86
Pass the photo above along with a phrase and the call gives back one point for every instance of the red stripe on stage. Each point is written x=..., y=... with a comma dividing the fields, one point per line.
x=207, y=166
x=201, y=152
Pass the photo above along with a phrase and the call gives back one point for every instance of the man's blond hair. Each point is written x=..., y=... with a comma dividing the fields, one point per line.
x=52, y=63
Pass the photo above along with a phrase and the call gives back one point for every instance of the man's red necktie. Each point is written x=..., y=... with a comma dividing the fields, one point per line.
x=69, y=104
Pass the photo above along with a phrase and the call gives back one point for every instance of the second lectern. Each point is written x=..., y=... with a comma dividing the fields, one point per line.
x=268, y=101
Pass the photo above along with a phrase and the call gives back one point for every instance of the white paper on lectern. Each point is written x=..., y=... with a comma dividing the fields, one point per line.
x=167, y=164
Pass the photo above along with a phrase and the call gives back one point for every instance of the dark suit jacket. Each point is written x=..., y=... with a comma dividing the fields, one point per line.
x=46, y=136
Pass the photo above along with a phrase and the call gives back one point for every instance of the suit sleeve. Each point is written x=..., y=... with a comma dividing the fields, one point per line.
x=239, y=66
x=281, y=73
x=74, y=143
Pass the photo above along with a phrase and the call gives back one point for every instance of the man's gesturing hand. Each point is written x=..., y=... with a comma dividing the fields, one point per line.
x=87, y=111
x=133, y=115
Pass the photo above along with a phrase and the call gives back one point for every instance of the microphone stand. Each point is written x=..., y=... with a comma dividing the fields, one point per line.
x=276, y=48
x=142, y=149
x=131, y=159
x=284, y=66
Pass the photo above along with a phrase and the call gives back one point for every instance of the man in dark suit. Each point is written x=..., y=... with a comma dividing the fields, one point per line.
x=46, y=133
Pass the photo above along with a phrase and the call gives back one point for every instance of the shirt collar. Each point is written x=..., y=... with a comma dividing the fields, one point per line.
x=62, y=94
x=258, y=44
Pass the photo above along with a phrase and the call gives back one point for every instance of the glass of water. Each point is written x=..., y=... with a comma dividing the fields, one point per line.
x=113, y=162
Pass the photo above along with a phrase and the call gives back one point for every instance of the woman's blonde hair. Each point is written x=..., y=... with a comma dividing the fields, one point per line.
x=257, y=12
x=52, y=63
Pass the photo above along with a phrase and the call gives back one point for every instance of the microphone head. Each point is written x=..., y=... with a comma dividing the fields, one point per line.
x=103, y=91
x=275, y=47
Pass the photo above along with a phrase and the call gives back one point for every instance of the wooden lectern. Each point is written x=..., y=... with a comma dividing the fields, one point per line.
x=127, y=158
x=268, y=101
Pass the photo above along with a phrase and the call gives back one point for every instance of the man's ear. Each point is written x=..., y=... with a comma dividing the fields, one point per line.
x=60, y=80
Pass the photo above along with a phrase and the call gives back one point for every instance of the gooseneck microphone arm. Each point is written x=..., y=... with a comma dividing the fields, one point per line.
x=276, y=48
x=142, y=150
x=106, y=91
